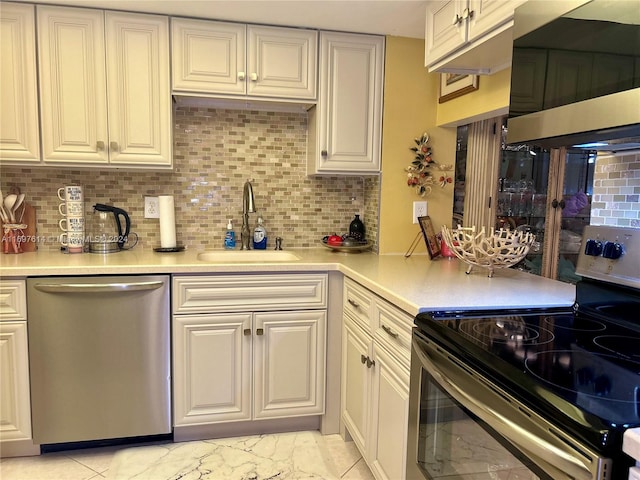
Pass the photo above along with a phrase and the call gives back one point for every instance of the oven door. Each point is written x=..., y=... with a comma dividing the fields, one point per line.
x=463, y=427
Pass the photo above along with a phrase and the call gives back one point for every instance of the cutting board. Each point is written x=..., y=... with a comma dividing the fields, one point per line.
x=29, y=233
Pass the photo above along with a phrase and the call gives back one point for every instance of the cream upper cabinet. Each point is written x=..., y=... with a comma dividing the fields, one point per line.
x=19, y=130
x=104, y=86
x=345, y=126
x=227, y=59
x=469, y=36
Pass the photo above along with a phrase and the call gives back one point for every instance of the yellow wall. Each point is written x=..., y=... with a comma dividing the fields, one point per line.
x=490, y=100
x=410, y=100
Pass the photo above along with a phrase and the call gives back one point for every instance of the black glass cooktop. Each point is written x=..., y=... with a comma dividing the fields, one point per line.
x=580, y=371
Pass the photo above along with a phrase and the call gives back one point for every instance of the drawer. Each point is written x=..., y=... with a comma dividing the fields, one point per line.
x=249, y=292
x=393, y=328
x=358, y=302
x=13, y=300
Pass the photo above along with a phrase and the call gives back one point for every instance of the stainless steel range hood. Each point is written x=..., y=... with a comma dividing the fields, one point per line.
x=576, y=74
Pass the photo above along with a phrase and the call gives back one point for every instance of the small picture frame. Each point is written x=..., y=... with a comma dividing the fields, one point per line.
x=453, y=85
x=433, y=246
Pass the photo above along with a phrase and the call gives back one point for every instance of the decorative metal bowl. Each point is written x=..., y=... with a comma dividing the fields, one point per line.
x=500, y=249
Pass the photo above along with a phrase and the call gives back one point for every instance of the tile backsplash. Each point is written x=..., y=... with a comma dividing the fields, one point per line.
x=616, y=190
x=215, y=152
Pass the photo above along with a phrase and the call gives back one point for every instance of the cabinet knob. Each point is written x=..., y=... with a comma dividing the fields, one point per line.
x=323, y=153
x=242, y=75
x=260, y=331
x=363, y=359
x=113, y=146
x=100, y=145
x=370, y=363
x=254, y=77
x=247, y=331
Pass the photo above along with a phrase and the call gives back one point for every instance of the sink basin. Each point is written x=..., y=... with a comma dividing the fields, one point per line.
x=247, y=256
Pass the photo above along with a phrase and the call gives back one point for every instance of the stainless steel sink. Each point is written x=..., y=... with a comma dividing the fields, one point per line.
x=247, y=256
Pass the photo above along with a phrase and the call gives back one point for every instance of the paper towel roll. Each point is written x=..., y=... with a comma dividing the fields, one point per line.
x=167, y=221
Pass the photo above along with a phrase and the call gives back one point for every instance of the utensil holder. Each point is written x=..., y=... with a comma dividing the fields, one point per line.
x=13, y=237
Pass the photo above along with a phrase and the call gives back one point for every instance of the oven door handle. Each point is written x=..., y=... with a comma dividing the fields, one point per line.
x=529, y=443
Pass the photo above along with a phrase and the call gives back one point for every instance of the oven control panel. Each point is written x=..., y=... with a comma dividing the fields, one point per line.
x=610, y=254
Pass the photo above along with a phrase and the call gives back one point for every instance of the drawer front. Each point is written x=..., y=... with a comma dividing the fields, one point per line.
x=393, y=328
x=233, y=293
x=13, y=300
x=358, y=303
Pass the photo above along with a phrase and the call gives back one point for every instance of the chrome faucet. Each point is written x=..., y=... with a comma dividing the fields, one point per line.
x=248, y=206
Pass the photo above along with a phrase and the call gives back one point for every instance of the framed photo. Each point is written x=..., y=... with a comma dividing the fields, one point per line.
x=433, y=246
x=453, y=85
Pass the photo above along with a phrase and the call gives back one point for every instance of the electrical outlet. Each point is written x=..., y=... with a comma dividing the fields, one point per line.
x=151, y=207
x=419, y=210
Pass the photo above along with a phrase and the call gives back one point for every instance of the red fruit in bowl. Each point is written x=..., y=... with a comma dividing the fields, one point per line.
x=334, y=240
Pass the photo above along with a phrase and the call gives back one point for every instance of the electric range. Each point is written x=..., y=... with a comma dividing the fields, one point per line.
x=575, y=371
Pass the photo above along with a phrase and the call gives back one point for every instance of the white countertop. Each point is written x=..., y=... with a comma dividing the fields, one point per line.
x=631, y=443
x=414, y=284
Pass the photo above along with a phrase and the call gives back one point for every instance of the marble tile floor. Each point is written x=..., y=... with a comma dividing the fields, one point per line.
x=295, y=456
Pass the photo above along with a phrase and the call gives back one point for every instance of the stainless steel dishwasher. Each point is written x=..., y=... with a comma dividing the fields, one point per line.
x=99, y=357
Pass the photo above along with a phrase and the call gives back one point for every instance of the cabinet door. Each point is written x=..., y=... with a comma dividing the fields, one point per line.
x=446, y=30
x=19, y=139
x=73, y=90
x=289, y=364
x=390, y=413
x=138, y=89
x=356, y=383
x=487, y=15
x=282, y=62
x=15, y=405
x=211, y=368
x=350, y=103
x=208, y=57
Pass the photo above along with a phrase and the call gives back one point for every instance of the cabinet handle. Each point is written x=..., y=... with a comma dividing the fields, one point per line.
x=363, y=359
x=556, y=204
x=370, y=363
x=247, y=331
x=352, y=303
x=259, y=331
x=113, y=146
x=457, y=20
x=389, y=331
x=324, y=153
x=241, y=75
x=100, y=145
x=467, y=14
x=254, y=77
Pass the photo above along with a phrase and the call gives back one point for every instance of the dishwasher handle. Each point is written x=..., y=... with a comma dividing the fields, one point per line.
x=97, y=287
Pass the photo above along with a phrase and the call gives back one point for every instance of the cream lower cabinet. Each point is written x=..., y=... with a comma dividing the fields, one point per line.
x=375, y=379
x=345, y=126
x=15, y=399
x=19, y=129
x=255, y=349
x=104, y=88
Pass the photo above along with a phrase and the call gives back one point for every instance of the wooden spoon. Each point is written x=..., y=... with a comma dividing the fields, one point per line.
x=19, y=201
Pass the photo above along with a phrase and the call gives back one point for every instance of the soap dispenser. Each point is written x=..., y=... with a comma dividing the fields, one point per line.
x=230, y=237
x=259, y=236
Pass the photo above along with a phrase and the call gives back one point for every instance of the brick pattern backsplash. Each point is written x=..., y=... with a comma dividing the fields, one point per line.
x=215, y=152
x=616, y=190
